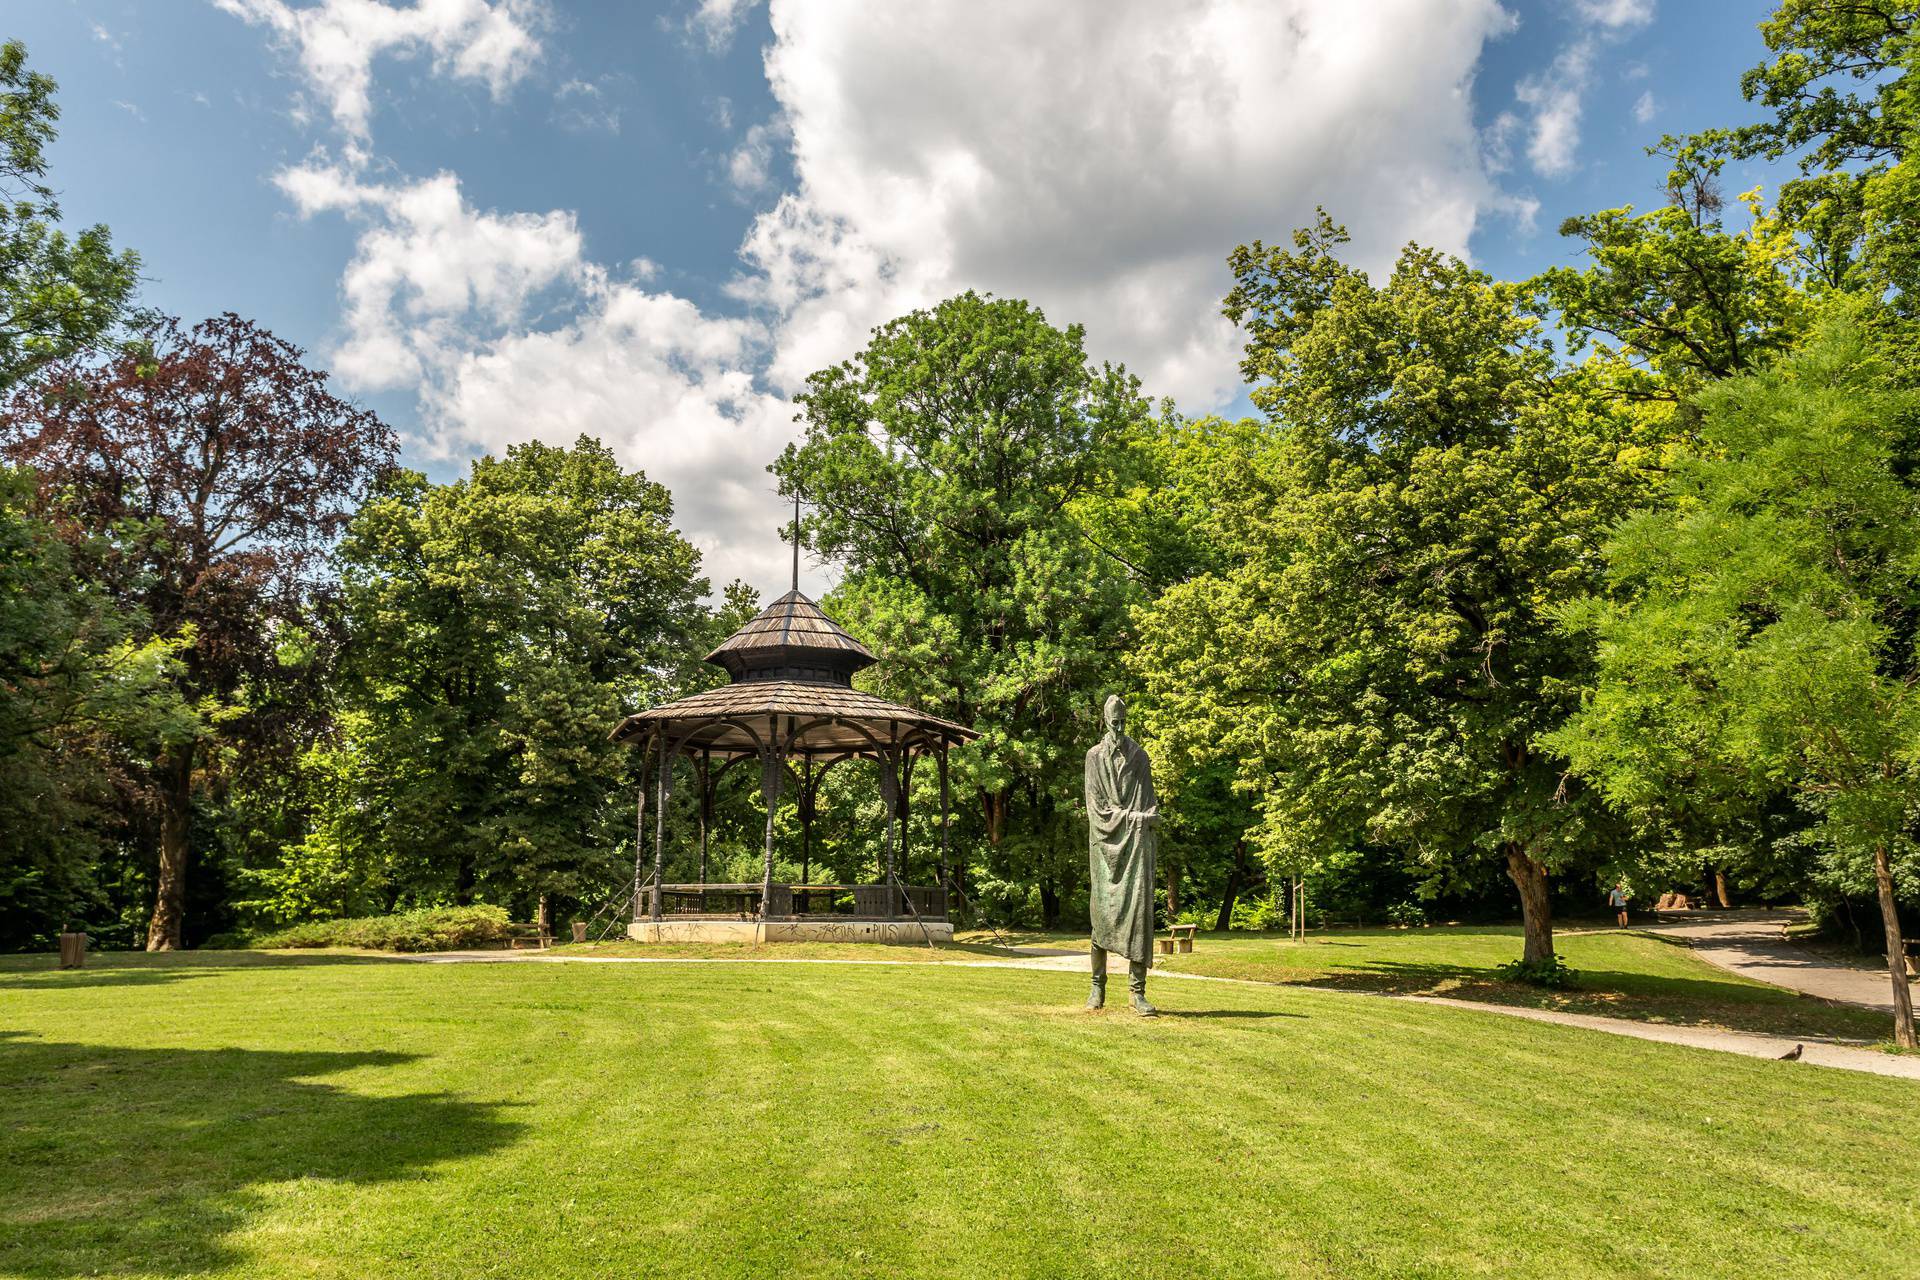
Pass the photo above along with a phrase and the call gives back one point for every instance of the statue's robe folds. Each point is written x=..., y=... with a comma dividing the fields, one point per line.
x=1120, y=856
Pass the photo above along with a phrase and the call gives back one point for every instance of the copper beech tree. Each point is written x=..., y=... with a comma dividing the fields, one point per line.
x=219, y=468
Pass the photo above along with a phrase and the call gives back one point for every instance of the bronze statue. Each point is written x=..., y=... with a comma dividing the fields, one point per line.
x=1121, y=815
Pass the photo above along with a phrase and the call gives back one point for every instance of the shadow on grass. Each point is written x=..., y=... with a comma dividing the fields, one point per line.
x=118, y=1160
x=1227, y=1013
x=134, y=969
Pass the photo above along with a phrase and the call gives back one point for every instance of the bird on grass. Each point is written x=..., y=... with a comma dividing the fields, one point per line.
x=1793, y=1054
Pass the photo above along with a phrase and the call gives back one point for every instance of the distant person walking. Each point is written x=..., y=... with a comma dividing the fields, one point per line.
x=1617, y=899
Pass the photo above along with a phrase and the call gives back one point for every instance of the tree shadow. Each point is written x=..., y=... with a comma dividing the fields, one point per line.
x=1228, y=1013
x=140, y=969
x=117, y=1160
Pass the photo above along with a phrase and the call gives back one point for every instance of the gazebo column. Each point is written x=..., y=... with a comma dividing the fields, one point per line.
x=809, y=797
x=660, y=825
x=946, y=833
x=639, y=833
x=904, y=808
x=890, y=804
x=772, y=767
x=704, y=774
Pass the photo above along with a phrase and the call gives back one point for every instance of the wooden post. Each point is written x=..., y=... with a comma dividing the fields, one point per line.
x=946, y=834
x=639, y=832
x=660, y=826
x=772, y=766
x=889, y=802
x=809, y=790
x=706, y=814
x=73, y=950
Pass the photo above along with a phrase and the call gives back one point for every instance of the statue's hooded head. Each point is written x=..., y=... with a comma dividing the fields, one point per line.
x=1115, y=715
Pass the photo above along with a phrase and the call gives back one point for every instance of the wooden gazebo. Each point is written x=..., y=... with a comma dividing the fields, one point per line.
x=791, y=706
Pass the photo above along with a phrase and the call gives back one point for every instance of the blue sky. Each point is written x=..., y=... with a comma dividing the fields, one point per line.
x=512, y=219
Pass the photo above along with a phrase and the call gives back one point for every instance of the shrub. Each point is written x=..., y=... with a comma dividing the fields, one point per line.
x=1555, y=974
x=430, y=929
x=1408, y=915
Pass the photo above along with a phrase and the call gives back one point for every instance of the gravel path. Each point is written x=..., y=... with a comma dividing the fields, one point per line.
x=1844, y=1057
x=1754, y=945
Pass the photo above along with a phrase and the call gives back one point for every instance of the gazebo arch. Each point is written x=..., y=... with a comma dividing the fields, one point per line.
x=790, y=701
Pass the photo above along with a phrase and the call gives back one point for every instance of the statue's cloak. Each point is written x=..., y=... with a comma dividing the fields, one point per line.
x=1120, y=853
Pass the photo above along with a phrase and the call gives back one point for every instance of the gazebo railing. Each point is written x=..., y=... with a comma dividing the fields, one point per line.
x=793, y=902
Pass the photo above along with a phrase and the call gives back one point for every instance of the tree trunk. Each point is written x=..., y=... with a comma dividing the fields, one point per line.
x=1049, y=904
x=1225, y=919
x=463, y=880
x=175, y=785
x=1720, y=887
x=995, y=805
x=1173, y=891
x=1903, y=1033
x=1536, y=913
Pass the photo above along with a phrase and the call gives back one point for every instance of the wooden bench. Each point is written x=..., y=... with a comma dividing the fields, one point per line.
x=1179, y=938
x=524, y=936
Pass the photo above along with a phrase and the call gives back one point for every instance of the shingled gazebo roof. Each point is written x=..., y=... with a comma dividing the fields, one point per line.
x=792, y=632
x=792, y=691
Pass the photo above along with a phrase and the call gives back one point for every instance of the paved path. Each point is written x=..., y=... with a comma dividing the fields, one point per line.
x=1754, y=945
x=1844, y=1057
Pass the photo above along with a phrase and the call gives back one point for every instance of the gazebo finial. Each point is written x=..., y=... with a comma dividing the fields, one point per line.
x=796, y=539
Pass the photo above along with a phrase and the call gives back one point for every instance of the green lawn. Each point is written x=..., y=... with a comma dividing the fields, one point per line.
x=1623, y=974
x=339, y=1116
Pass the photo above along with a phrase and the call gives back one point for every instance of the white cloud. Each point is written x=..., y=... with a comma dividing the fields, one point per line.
x=582, y=107
x=431, y=275
x=337, y=41
x=508, y=332
x=1103, y=168
x=718, y=21
x=1554, y=96
x=1644, y=107
x=1616, y=14
x=749, y=167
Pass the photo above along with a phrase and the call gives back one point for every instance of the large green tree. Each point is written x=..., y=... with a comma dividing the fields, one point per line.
x=1378, y=656
x=59, y=293
x=941, y=467
x=499, y=627
x=75, y=680
x=218, y=467
x=1759, y=628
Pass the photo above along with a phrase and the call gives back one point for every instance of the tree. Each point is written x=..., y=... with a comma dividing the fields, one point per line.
x=1764, y=617
x=1379, y=658
x=58, y=294
x=220, y=468
x=941, y=466
x=72, y=679
x=499, y=627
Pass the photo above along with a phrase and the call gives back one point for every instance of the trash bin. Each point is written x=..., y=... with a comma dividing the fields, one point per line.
x=579, y=930
x=73, y=950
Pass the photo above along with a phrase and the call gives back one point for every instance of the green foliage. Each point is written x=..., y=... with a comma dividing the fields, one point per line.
x=1407, y=914
x=501, y=625
x=58, y=293
x=1378, y=655
x=1760, y=629
x=75, y=678
x=942, y=466
x=431, y=929
x=1552, y=973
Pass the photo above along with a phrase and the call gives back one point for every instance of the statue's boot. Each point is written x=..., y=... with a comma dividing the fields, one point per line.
x=1097, y=998
x=1137, y=989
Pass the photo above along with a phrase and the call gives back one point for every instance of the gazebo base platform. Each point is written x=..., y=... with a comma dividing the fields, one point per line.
x=906, y=932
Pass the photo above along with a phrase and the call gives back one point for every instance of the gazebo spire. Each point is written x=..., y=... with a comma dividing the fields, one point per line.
x=796, y=541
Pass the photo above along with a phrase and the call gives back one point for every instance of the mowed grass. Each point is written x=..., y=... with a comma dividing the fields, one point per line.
x=336, y=1116
x=1622, y=974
